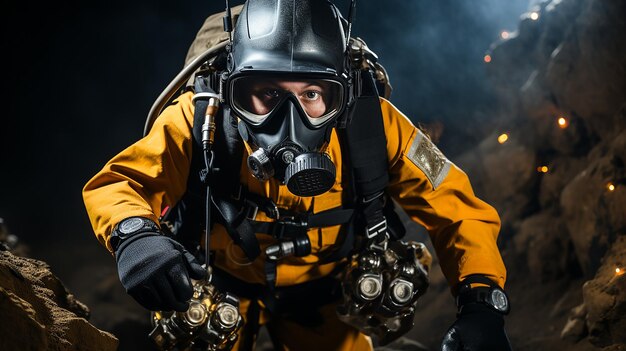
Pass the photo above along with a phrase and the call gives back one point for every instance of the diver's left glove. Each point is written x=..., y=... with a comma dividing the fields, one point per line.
x=480, y=321
x=153, y=268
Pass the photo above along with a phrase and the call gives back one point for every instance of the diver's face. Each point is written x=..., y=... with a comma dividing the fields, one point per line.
x=312, y=96
x=255, y=97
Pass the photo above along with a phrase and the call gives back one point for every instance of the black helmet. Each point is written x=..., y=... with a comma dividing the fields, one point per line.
x=289, y=36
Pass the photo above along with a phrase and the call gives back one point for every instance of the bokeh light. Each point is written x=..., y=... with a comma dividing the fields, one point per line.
x=503, y=138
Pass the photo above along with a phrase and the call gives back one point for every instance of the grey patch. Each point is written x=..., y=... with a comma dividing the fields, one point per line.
x=427, y=157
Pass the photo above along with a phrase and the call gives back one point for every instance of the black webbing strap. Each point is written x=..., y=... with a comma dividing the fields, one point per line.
x=305, y=221
x=473, y=279
x=367, y=148
x=299, y=226
x=292, y=228
x=270, y=274
x=330, y=217
x=367, y=144
x=238, y=227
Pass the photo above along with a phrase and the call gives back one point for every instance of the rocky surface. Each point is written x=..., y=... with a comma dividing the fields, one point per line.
x=561, y=82
x=564, y=226
x=39, y=313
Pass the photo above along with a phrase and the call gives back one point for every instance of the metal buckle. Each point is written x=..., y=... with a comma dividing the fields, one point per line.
x=382, y=245
x=281, y=224
x=252, y=209
x=376, y=229
x=272, y=212
x=293, y=220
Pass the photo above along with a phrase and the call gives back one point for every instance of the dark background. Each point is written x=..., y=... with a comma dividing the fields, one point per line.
x=80, y=77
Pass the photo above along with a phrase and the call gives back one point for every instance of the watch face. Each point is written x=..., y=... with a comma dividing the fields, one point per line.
x=130, y=225
x=499, y=300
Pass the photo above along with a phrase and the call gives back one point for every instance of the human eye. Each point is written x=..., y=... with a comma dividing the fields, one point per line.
x=270, y=93
x=312, y=95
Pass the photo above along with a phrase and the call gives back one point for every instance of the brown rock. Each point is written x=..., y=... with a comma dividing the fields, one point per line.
x=22, y=317
x=561, y=171
x=40, y=313
x=543, y=243
x=605, y=298
x=510, y=171
x=576, y=327
x=593, y=213
x=587, y=73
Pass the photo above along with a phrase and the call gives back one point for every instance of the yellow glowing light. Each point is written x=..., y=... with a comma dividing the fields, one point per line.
x=503, y=138
x=610, y=186
x=563, y=122
x=504, y=34
x=542, y=169
x=487, y=58
x=534, y=16
x=617, y=270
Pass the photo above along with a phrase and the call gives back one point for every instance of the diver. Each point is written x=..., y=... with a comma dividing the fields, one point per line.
x=300, y=162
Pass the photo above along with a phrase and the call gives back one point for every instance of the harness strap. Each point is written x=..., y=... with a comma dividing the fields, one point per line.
x=367, y=148
x=293, y=228
x=367, y=143
x=281, y=227
x=238, y=227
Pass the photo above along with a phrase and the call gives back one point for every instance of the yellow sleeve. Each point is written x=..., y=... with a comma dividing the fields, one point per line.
x=437, y=194
x=146, y=176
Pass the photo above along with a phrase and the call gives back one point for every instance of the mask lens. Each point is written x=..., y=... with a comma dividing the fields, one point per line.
x=255, y=97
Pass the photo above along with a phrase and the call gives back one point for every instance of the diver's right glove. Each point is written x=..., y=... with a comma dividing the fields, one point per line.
x=153, y=268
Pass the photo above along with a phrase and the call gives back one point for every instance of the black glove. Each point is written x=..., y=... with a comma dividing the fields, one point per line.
x=477, y=328
x=155, y=271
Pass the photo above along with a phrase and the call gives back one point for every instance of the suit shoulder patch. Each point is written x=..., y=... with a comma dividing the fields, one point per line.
x=429, y=159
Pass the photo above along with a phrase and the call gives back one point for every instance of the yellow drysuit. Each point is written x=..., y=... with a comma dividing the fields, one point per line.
x=152, y=174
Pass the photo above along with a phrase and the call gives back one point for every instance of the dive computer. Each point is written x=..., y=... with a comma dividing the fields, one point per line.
x=129, y=227
x=492, y=295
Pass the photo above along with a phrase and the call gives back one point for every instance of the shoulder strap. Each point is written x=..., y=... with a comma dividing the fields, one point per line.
x=187, y=216
x=366, y=141
x=367, y=150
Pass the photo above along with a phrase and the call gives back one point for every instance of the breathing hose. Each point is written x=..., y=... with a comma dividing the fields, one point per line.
x=177, y=83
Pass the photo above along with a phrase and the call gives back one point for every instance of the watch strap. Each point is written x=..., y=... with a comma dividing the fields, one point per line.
x=476, y=279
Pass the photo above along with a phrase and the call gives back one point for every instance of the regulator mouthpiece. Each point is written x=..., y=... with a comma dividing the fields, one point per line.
x=310, y=174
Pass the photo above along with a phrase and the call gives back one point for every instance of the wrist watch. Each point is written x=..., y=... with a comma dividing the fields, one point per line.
x=492, y=295
x=129, y=227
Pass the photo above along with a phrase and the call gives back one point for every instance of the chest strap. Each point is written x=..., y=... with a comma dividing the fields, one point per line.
x=282, y=227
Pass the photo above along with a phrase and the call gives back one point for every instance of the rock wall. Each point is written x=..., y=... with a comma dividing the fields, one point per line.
x=39, y=313
x=558, y=178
